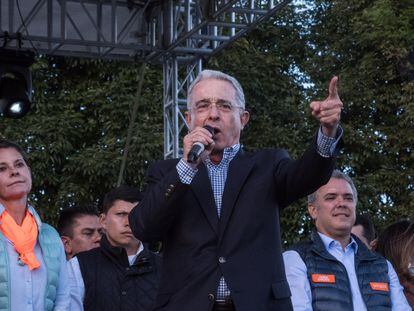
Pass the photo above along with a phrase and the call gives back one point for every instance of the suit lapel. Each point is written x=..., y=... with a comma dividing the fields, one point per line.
x=238, y=172
x=204, y=194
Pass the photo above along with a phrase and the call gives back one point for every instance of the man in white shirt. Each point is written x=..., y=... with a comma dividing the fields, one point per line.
x=334, y=270
x=79, y=230
x=120, y=274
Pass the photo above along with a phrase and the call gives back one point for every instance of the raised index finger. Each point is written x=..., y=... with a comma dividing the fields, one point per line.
x=333, y=89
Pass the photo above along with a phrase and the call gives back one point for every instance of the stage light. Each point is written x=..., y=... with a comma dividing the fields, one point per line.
x=15, y=82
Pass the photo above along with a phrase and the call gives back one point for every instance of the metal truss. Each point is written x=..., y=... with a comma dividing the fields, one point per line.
x=176, y=33
x=204, y=27
x=193, y=30
x=111, y=29
x=176, y=82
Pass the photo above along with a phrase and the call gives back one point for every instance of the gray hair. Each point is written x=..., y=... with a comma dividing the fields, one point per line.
x=218, y=75
x=339, y=175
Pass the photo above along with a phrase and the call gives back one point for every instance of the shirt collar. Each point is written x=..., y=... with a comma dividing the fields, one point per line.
x=228, y=154
x=329, y=243
x=132, y=258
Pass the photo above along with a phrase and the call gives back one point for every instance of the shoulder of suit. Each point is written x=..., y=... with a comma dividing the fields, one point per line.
x=266, y=152
x=149, y=253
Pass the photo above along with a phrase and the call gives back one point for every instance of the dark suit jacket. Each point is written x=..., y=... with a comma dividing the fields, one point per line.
x=243, y=245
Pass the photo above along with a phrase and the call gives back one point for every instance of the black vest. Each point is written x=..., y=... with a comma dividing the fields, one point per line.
x=371, y=270
x=112, y=284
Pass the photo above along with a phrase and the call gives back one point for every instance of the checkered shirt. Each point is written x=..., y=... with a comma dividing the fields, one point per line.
x=218, y=175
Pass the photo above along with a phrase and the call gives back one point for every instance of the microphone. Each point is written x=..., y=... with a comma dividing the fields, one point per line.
x=198, y=148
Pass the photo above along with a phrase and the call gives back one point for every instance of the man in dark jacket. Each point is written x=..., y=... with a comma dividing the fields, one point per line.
x=121, y=274
x=218, y=215
x=335, y=270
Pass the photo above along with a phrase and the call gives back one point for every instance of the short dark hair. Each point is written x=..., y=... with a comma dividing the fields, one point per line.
x=68, y=217
x=367, y=225
x=123, y=193
x=338, y=175
x=5, y=144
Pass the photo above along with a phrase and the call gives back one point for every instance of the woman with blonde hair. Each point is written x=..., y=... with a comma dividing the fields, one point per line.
x=33, y=273
x=396, y=243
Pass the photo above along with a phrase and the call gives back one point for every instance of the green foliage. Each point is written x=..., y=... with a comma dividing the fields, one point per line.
x=76, y=133
x=368, y=44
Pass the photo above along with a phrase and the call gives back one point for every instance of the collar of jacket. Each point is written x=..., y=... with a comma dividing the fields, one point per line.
x=118, y=255
x=318, y=247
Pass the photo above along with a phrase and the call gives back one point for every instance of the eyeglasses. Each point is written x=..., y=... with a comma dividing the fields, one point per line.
x=205, y=105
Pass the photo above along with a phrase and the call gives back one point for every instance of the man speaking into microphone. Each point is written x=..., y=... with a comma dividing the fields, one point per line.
x=217, y=212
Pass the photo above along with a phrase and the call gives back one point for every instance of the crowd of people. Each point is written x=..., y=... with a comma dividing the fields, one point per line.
x=216, y=214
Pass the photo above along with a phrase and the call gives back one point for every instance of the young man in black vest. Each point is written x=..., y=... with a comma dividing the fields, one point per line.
x=334, y=270
x=121, y=274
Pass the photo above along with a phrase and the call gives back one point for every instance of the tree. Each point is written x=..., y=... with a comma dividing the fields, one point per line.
x=368, y=43
x=76, y=132
x=267, y=63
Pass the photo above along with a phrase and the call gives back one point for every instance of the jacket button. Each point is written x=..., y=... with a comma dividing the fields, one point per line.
x=222, y=260
x=123, y=293
x=211, y=297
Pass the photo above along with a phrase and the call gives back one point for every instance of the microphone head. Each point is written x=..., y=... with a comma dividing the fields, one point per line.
x=209, y=128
